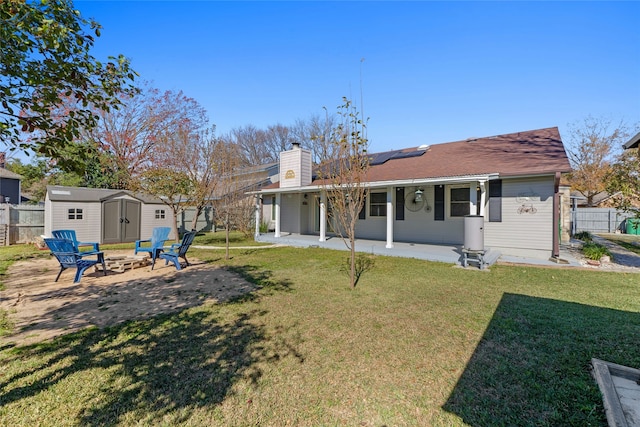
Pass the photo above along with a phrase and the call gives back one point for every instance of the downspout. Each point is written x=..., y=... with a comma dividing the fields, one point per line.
x=258, y=217
x=556, y=217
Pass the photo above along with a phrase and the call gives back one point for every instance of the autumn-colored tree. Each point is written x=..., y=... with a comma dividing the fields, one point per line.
x=44, y=61
x=344, y=175
x=146, y=121
x=193, y=152
x=592, y=145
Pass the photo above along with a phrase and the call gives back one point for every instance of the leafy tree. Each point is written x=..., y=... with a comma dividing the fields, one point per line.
x=625, y=178
x=40, y=173
x=168, y=185
x=592, y=146
x=44, y=61
x=344, y=172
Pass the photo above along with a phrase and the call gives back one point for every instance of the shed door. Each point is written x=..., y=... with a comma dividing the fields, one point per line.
x=120, y=221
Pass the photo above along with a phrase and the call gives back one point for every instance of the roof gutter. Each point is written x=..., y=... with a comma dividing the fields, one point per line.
x=382, y=184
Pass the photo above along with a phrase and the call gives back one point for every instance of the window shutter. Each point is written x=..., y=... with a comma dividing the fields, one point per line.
x=399, y=203
x=363, y=211
x=438, y=208
x=495, y=200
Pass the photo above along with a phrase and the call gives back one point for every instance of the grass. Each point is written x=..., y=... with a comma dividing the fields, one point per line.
x=630, y=242
x=416, y=343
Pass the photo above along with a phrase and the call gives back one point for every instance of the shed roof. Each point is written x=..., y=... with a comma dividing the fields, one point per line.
x=84, y=194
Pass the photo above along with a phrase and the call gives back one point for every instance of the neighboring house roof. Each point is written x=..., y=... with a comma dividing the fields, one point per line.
x=633, y=142
x=535, y=152
x=84, y=194
x=5, y=173
x=601, y=199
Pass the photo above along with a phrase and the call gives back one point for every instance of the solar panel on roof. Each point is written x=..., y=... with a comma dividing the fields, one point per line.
x=380, y=158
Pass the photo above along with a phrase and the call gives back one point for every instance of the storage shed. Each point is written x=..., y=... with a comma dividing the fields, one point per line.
x=104, y=215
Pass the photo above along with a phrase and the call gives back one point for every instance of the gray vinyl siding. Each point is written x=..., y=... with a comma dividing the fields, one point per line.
x=520, y=229
x=290, y=213
x=88, y=229
x=148, y=220
x=417, y=227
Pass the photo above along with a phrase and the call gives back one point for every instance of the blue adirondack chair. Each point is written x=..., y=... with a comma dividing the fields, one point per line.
x=178, y=250
x=156, y=243
x=71, y=236
x=66, y=254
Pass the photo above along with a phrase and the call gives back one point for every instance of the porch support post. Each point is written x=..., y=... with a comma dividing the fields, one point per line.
x=483, y=197
x=390, y=216
x=258, y=217
x=323, y=216
x=278, y=201
x=556, y=217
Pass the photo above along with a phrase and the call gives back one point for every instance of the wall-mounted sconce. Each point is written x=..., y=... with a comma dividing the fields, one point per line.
x=306, y=196
x=418, y=196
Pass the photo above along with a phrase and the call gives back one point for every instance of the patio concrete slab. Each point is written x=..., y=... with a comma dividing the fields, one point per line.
x=451, y=254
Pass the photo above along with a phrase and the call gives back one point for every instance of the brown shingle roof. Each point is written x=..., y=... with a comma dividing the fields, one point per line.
x=535, y=152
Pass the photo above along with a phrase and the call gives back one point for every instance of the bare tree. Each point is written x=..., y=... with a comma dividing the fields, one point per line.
x=230, y=200
x=192, y=152
x=593, y=144
x=131, y=133
x=314, y=134
x=251, y=142
x=344, y=174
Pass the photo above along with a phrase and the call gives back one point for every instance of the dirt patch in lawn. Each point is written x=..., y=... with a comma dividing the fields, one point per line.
x=41, y=309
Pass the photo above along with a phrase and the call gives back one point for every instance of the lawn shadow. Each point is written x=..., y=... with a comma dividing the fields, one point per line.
x=532, y=365
x=161, y=369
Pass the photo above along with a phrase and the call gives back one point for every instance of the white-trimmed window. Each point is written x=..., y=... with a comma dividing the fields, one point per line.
x=75, y=213
x=460, y=202
x=378, y=204
x=160, y=214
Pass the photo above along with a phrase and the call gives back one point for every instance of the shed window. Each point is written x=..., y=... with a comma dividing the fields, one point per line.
x=160, y=214
x=75, y=213
x=460, y=201
x=378, y=204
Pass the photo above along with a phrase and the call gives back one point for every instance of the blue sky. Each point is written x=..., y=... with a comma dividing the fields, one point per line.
x=429, y=72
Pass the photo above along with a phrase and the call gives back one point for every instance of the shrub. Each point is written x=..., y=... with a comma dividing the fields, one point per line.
x=595, y=251
x=585, y=236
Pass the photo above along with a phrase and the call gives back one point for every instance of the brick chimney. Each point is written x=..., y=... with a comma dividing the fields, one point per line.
x=3, y=157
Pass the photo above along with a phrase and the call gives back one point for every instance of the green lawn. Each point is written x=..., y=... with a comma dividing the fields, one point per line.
x=416, y=343
x=630, y=242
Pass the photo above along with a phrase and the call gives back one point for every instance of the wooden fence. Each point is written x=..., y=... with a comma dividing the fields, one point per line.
x=599, y=220
x=20, y=223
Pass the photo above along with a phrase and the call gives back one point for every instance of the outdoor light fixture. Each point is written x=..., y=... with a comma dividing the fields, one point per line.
x=418, y=197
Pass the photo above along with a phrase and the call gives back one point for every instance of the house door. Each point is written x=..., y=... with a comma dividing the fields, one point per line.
x=120, y=221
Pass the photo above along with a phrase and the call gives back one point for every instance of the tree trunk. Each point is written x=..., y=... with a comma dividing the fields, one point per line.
x=226, y=227
x=194, y=221
x=352, y=272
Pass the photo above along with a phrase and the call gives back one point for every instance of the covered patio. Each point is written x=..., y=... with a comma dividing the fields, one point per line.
x=440, y=253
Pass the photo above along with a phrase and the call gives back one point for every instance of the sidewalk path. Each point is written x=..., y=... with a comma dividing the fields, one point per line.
x=619, y=254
